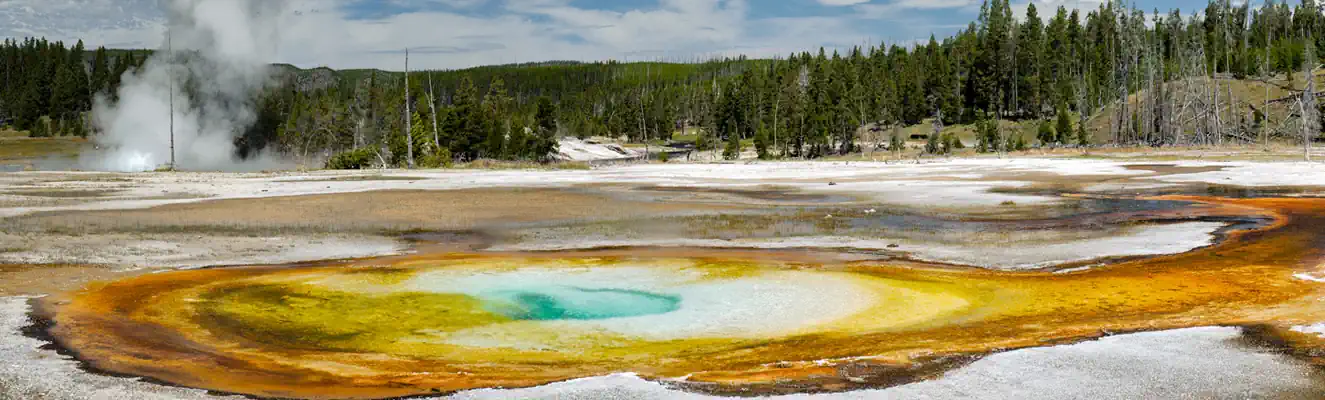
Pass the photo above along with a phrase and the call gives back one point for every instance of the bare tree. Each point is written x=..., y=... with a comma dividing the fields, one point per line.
x=1310, y=122
x=432, y=106
x=1268, y=75
x=409, y=117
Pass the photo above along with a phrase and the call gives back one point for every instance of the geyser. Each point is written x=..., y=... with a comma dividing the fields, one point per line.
x=214, y=64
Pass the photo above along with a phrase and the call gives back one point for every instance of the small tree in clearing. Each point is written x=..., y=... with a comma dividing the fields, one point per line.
x=1083, y=137
x=1064, y=126
x=896, y=143
x=1046, y=135
x=762, y=143
x=733, y=149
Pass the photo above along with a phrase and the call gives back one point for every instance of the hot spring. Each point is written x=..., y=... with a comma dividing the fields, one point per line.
x=723, y=321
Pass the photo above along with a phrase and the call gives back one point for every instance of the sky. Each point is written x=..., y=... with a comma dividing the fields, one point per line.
x=453, y=34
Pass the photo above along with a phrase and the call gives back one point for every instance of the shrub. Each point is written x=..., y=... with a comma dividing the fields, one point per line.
x=664, y=157
x=353, y=159
x=702, y=142
x=933, y=145
x=953, y=142
x=896, y=143
x=1046, y=135
x=438, y=159
x=39, y=129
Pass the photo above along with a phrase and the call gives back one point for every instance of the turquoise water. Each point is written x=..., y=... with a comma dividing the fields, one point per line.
x=573, y=303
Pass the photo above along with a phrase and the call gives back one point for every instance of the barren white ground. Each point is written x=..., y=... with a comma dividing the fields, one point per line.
x=935, y=184
x=1198, y=363
x=1133, y=241
x=951, y=186
x=139, y=250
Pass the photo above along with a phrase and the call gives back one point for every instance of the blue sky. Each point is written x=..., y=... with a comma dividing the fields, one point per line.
x=463, y=33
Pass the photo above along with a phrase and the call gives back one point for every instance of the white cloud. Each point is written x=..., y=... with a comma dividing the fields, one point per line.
x=842, y=2
x=121, y=23
x=893, y=7
x=322, y=32
x=539, y=30
x=1048, y=8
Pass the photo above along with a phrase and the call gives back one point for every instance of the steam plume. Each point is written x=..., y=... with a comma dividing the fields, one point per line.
x=219, y=64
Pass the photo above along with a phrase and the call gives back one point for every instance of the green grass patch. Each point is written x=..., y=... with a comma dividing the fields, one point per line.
x=25, y=149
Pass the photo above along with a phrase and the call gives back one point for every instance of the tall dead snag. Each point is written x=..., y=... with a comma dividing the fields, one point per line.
x=409, y=117
x=432, y=107
x=1310, y=122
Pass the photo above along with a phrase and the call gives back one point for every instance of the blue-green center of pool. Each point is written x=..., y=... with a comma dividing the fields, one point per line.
x=572, y=303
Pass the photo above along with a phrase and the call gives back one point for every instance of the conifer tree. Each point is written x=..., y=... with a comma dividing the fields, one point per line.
x=941, y=84
x=762, y=145
x=100, y=78
x=732, y=151
x=77, y=67
x=1046, y=135
x=123, y=64
x=1029, y=64
x=65, y=95
x=1063, y=127
x=546, y=120
x=896, y=142
x=1083, y=137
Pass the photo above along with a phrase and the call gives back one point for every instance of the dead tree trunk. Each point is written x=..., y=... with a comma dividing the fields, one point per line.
x=432, y=106
x=409, y=117
x=1307, y=108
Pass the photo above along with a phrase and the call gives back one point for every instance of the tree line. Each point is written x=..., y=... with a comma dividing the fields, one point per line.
x=47, y=88
x=1143, y=78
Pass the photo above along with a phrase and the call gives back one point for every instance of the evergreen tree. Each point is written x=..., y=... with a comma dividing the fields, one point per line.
x=733, y=149
x=467, y=122
x=494, y=108
x=987, y=134
x=1083, y=137
x=546, y=121
x=422, y=136
x=39, y=128
x=1056, y=69
x=100, y=79
x=896, y=143
x=911, y=90
x=123, y=64
x=1063, y=126
x=65, y=95
x=986, y=88
x=941, y=84
x=1029, y=64
x=762, y=145
x=82, y=93
x=933, y=145
x=1046, y=135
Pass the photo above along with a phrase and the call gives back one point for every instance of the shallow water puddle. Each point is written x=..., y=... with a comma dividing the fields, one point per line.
x=730, y=321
